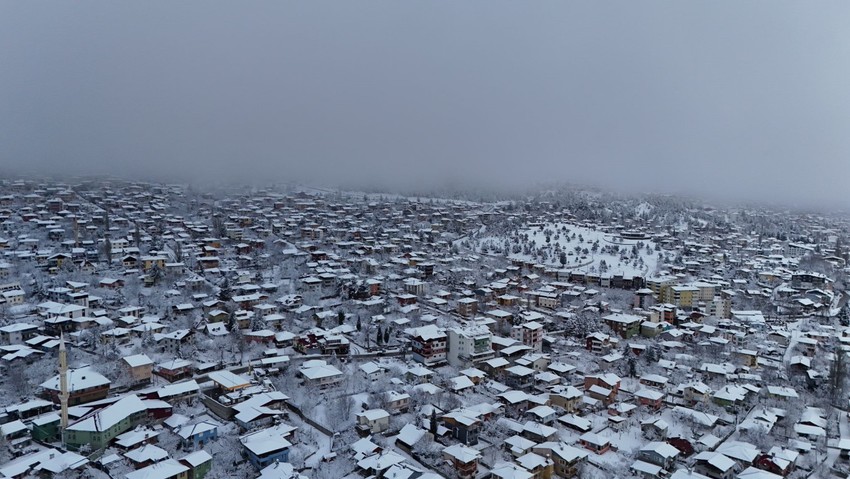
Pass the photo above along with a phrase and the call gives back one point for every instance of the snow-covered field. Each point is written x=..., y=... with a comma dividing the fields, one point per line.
x=576, y=247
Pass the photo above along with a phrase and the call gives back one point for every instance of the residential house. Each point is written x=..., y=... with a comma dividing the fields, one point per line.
x=626, y=325
x=139, y=368
x=267, y=446
x=595, y=442
x=567, y=398
x=17, y=333
x=463, y=426
x=373, y=421
x=463, y=459
x=566, y=459
x=100, y=427
x=84, y=385
x=318, y=373
x=529, y=334
x=659, y=453
x=603, y=387
x=428, y=344
x=175, y=369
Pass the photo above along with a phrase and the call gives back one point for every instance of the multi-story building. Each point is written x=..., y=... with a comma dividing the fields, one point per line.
x=810, y=280
x=660, y=285
x=469, y=344
x=467, y=307
x=684, y=297
x=626, y=325
x=464, y=459
x=529, y=334
x=428, y=344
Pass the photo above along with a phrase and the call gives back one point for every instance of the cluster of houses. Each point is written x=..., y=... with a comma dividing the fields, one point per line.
x=551, y=371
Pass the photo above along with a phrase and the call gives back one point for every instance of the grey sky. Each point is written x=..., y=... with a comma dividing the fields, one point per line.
x=748, y=99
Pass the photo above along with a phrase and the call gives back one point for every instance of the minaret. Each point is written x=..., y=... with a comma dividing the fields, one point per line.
x=63, y=383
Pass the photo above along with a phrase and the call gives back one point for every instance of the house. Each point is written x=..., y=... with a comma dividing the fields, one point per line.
x=409, y=436
x=567, y=398
x=136, y=437
x=626, y=325
x=199, y=464
x=603, y=387
x=100, y=427
x=539, y=432
x=495, y=367
x=373, y=421
x=227, y=381
x=659, y=453
x=194, y=466
x=599, y=343
x=778, y=461
x=428, y=344
x=198, y=434
x=320, y=374
x=715, y=465
x=696, y=392
x=542, y=414
x=515, y=402
x=151, y=262
x=654, y=381
x=84, y=385
x=577, y=423
x=267, y=446
x=471, y=344
x=139, y=367
x=519, y=377
x=463, y=426
x=171, y=342
x=17, y=333
x=258, y=410
x=15, y=435
x=13, y=297
x=175, y=370
x=518, y=445
x=378, y=463
x=145, y=455
x=177, y=392
x=540, y=467
x=530, y=334
x=467, y=307
x=654, y=428
x=566, y=459
x=397, y=402
x=595, y=442
x=463, y=459
x=506, y=470
x=371, y=370
x=651, y=398
x=755, y=473
x=646, y=470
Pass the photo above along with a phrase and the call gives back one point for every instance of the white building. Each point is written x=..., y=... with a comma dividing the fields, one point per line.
x=470, y=343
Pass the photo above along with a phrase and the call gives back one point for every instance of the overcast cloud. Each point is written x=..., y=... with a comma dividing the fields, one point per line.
x=735, y=99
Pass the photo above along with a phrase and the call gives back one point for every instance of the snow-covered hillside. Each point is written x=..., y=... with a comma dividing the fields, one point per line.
x=569, y=246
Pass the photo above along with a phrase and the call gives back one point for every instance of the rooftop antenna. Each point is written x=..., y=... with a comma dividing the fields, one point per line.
x=64, y=394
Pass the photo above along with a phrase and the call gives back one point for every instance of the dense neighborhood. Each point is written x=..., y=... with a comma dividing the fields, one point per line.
x=162, y=331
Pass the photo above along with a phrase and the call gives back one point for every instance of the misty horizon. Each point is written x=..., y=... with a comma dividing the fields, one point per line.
x=724, y=101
